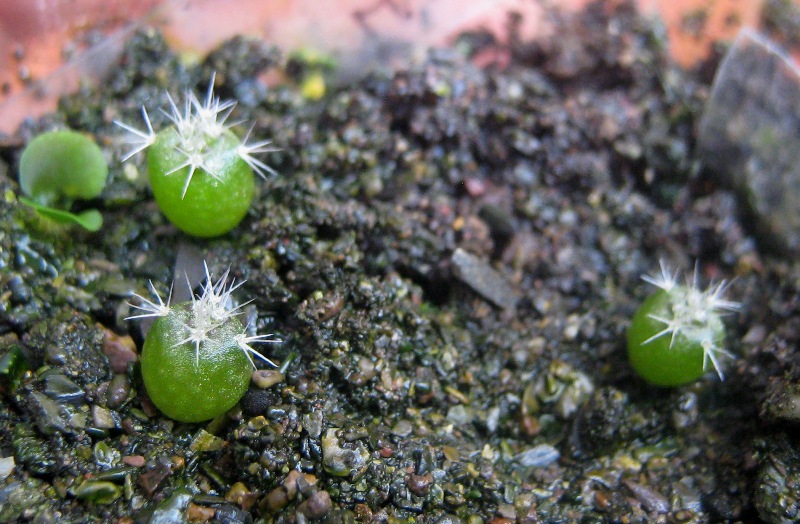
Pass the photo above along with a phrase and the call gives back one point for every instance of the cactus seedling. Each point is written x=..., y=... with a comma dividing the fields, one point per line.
x=678, y=331
x=59, y=167
x=200, y=172
x=197, y=357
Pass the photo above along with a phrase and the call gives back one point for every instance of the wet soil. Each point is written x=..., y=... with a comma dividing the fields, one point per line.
x=451, y=256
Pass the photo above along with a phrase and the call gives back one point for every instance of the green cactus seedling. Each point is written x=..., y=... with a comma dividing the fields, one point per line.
x=678, y=331
x=201, y=173
x=197, y=357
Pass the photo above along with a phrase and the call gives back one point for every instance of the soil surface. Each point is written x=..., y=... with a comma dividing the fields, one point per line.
x=451, y=256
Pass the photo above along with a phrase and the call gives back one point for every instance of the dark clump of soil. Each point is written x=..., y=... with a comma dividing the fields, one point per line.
x=451, y=256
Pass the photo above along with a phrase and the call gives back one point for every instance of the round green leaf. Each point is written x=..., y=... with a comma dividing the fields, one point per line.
x=60, y=166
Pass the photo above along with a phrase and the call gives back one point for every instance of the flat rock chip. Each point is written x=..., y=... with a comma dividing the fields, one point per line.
x=750, y=134
x=483, y=279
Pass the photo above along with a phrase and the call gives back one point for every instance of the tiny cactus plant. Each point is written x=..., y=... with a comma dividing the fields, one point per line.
x=200, y=172
x=678, y=331
x=197, y=357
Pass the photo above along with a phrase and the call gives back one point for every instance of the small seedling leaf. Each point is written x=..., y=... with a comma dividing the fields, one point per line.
x=91, y=219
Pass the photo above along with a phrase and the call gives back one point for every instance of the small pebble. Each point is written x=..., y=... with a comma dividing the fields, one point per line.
x=539, y=456
x=136, y=461
x=307, y=484
x=102, y=418
x=316, y=506
x=403, y=428
x=483, y=279
x=419, y=484
x=237, y=493
x=6, y=467
x=264, y=378
x=120, y=350
x=20, y=293
x=507, y=511
x=651, y=501
x=196, y=513
x=290, y=483
x=313, y=423
x=275, y=499
x=118, y=390
x=62, y=389
x=150, y=480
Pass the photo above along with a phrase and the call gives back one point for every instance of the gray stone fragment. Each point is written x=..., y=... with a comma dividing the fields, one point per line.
x=750, y=135
x=50, y=416
x=538, y=456
x=483, y=279
x=6, y=467
x=62, y=389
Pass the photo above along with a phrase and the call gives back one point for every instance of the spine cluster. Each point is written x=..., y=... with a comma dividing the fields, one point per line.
x=693, y=313
x=199, y=125
x=208, y=312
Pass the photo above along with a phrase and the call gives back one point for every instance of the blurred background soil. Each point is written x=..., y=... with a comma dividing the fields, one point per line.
x=48, y=47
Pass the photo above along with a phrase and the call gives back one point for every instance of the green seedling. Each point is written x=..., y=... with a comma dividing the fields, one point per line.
x=678, y=331
x=201, y=173
x=197, y=357
x=59, y=167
